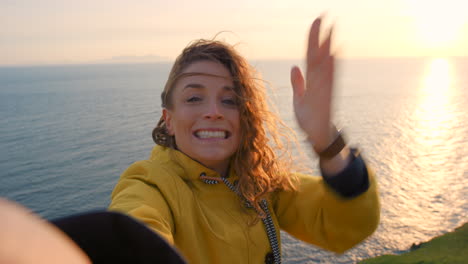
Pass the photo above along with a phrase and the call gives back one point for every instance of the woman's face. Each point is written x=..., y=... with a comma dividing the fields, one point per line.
x=204, y=117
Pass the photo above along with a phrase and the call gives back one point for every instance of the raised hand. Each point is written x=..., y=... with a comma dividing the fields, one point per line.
x=313, y=96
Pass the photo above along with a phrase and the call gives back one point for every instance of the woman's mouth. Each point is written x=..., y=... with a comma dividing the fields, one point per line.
x=210, y=134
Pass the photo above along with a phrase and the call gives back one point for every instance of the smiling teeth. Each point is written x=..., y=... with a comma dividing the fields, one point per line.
x=211, y=134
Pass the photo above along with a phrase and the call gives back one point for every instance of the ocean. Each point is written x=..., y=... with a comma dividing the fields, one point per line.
x=67, y=132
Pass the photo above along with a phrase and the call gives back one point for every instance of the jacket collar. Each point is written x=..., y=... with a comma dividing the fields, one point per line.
x=185, y=167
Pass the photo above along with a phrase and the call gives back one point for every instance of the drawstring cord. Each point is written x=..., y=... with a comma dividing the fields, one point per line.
x=267, y=221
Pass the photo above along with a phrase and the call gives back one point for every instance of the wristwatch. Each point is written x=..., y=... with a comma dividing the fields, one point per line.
x=334, y=148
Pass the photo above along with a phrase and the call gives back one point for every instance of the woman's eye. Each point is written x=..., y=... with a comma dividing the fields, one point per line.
x=193, y=99
x=230, y=101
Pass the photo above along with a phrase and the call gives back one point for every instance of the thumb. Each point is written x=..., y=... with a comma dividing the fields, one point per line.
x=297, y=81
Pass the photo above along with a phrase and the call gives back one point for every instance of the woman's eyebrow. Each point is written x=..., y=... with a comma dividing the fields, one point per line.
x=194, y=85
x=201, y=86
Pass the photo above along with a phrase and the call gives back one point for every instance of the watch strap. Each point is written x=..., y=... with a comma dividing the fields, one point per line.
x=334, y=148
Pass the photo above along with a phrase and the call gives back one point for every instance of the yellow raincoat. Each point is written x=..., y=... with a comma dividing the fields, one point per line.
x=207, y=223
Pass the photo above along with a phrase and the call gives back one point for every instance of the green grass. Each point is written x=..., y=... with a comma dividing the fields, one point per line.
x=449, y=248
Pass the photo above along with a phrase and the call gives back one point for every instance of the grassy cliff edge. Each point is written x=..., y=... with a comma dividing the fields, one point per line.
x=448, y=248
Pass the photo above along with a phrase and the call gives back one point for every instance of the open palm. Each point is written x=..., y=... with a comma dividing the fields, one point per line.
x=312, y=95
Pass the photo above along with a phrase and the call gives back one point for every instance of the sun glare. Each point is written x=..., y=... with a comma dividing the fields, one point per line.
x=438, y=78
x=438, y=24
x=434, y=110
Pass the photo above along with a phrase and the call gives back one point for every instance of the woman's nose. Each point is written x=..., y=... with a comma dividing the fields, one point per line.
x=213, y=111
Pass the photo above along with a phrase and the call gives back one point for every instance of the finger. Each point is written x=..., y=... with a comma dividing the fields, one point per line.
x=331, y=69
x=313, y=45
x=322, y=53
x=326, y=46
x=328, y=76
x=297, y=82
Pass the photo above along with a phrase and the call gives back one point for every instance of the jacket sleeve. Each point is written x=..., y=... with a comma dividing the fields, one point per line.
x=137, y=197
x=316, y=213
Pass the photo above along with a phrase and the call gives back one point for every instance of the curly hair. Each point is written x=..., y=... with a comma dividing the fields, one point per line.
x=262, y=160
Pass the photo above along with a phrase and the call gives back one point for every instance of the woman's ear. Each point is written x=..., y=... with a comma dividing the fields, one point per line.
x=167, y=116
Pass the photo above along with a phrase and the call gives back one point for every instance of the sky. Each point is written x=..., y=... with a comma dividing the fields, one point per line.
x=93, y=31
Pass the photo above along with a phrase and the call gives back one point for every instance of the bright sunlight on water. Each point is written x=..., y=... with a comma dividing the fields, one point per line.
x=434, y=141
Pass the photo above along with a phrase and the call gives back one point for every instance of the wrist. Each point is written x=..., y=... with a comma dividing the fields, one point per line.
x=336, y=164
x=321, y=142
x=335, y=145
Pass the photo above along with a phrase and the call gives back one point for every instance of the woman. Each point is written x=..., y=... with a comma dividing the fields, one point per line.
x=217, y=169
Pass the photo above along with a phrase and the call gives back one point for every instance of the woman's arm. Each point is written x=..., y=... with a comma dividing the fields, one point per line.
x=25, y=238
x=332, y=215
x=342, y=208
x=136, y=196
